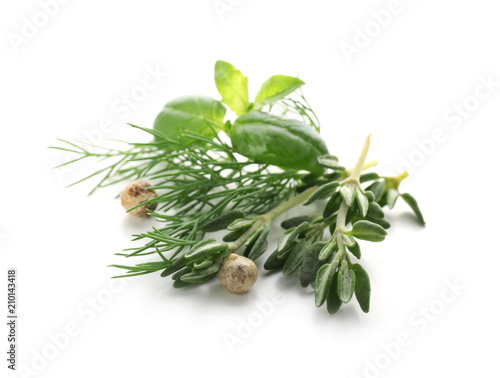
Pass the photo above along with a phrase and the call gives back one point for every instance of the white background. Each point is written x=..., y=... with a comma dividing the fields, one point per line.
x=67, y=77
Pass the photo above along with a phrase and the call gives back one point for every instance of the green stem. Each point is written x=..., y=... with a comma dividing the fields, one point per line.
x=358, y=168
x=267, y=218
x=353, y=179
x=297, y=200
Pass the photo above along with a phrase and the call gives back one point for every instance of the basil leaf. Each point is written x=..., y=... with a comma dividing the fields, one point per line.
x=311, y=264
x=223, y=221
x=362, y=287
x=232, y=86
x=333, y=301
x=296, y=257
x=324, y=280
x=331, y=162
x=345, y=282
x=275, y=88
x=270, y=139
x=412, y=202
x=190, y=114
x=367, y=230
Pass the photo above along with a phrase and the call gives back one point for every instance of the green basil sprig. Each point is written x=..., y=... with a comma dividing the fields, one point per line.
x=286, y=143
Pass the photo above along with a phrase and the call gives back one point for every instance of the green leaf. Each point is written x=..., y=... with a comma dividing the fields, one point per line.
x=370, y=196
x=392, y=197
x=275, y=88
x=332, y=205
x=223, y=221
x=368, y=177
x=333, y=302
x=258, y=251
x=201, y=275
x=205, y=250
x=295, y=221
x=286, y=143
x=297, y=256
x=381, y=222
x=323, y=191
x=232, y=86
x=260, y=245
x=242, y=223
x=378, y=190
x=375, y=211
x=355, y=249
x=328, y=249
x=348, y=193
x=273, y=262
x=362, y=288
x=367, y=230
x=331, y=162
x=176, y=265
x=362, y=202
x=203, y=264
x=412, y=202
x=291, y=234
x=311, y=264
x=348, y=240
x=345, y=282
x=179, y=283
x=190, y=114
x=234, y=235
x=324, y=280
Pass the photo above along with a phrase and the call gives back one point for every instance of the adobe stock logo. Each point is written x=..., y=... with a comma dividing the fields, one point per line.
x=454, y=117
x=222, y=7
x=32, y=26
x=364, y=35
x=419, y=321
x=245, y=328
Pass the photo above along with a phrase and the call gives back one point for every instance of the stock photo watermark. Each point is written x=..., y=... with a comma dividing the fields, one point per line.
x=121, y=107
x=247, y=326
x=364, y=35
x=454, y=117
x=418, y=322
x=3, y=237
x=31, y=26
x=86, y=313
x=224, y=7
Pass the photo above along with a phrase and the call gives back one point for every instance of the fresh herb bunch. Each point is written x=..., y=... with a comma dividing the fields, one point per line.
x=213, y=174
